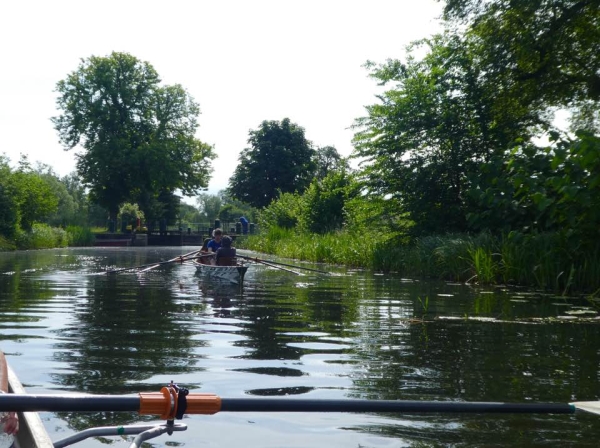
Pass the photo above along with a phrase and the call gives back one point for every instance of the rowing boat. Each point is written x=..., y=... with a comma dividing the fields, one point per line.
x=230, y=274
x=32, y=433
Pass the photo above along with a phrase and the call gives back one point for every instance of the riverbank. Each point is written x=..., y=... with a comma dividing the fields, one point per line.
x=43, y=236
x=545, y=261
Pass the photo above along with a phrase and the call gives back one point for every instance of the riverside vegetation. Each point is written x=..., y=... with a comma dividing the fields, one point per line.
x=542, y=261
x=463, y=172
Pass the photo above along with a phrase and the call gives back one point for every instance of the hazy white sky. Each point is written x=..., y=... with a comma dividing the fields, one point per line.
x=243, y=62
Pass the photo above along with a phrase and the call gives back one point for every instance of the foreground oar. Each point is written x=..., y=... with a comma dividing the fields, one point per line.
x=170, y=404
x=153, y=265
x=258, y=260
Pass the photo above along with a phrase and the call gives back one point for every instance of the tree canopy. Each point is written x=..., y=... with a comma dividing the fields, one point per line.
x=328, y=159
x=545, y=51
x=280, y=159
x=437, y=120
x=485, y=86
x=137, y=136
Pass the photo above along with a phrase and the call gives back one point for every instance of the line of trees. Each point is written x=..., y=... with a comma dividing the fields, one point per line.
x=31, y=195
x=454, y=142
x=451, y=145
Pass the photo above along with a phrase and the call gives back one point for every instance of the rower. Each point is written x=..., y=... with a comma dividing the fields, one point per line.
x=215, y=243
x=226, y=254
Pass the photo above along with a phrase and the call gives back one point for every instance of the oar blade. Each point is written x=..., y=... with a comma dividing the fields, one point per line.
x=592, y=407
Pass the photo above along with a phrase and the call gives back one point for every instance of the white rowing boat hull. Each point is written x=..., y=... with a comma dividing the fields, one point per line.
x=231, y=274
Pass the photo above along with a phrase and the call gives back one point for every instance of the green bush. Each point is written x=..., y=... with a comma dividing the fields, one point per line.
x=283, y=212
x=80, y=236
x=42, y=236
x=6, y=244
x=323, y=203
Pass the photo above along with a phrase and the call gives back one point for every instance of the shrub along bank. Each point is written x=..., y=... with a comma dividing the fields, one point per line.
x=545, y=260
x=43, y=236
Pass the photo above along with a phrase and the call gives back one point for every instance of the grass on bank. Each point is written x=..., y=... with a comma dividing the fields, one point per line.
x=42, y=236
x=544, y=261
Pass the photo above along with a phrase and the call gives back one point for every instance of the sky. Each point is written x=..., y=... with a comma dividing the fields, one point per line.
x=242, y=61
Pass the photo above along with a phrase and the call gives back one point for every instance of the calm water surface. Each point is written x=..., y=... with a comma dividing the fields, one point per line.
x=66, y=328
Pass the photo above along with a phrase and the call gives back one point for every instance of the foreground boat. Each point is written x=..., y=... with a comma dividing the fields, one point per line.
x=32, y=433
x=231, y=274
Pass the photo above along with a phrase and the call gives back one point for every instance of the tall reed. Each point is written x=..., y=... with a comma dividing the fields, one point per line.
x=80, y=236
x=546, y=261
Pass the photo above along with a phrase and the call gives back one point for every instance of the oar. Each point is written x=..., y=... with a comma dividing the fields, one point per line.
x=273, y=266
x=258, y=260
x=167, y=402
x=152, y=265
x=181, y=259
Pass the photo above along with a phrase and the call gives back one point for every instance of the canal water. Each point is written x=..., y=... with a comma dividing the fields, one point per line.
x=67, y=327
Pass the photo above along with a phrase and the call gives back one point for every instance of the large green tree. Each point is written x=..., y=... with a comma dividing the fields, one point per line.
x=541, y=51
x=437, y=120
x=280, y=159
x=137, y=136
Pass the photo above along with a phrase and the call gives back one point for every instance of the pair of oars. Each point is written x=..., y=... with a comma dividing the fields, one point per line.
x=276, y=265
x=165, y=404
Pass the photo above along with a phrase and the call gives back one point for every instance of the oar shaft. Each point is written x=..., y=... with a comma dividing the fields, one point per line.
x=153, y=265
x=258, y=260
x=304, y=405
x=278, y=267
x=157, y=403
x=64, y=403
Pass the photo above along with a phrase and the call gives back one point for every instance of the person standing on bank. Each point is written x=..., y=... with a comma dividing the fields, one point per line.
x=244, y=222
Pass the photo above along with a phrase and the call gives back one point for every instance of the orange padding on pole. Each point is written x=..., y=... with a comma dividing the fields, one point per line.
x=164, y=403
x=203, y=404
x=158, y=403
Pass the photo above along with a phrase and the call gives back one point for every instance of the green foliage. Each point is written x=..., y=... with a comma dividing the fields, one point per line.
x=233, y=209
x=70, y=194
x=483, y=264
x=80, y=236
x=537, y=190
x=138, y=136
x=189, y=214
x=540, y=51
x=94, y=215
x=322, y=205
x=336, y=247
x=210, y=206
x=374, y=214
x=230, y=213
x=280, y=160
x=130, y=213
x=36, y=200
x=327, y=159
x=7, y=244
x=42, y=236
x=282, y=212
x=436, y=122
x=9, y=210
